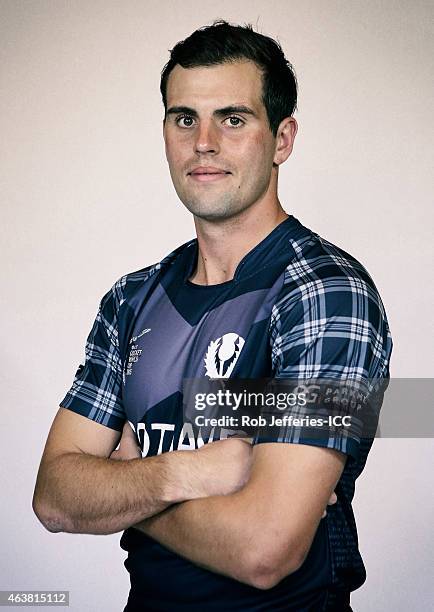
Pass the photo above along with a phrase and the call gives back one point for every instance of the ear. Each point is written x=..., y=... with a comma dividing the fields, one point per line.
x=285, y=139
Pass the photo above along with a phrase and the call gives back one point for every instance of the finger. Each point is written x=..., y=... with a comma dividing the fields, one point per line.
x=128, y=431
x=333, y=499
x=131, y=449
x=247, y=440
x=128, y=434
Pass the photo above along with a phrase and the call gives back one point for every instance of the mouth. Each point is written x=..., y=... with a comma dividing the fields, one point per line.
x=208, y=174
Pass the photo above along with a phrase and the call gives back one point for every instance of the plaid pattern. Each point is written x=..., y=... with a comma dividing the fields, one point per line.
x=97, y=388
x=328, y=323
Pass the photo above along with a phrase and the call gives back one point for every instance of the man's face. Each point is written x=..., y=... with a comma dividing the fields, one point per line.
x=218, y=141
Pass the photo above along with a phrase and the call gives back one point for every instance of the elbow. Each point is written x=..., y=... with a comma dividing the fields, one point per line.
x=266, y=568
x=56, y=521
x=49, y=518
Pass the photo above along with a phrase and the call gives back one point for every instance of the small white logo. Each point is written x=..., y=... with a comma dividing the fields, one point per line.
x=142, y=333
x=222, y=355
x=134, y=353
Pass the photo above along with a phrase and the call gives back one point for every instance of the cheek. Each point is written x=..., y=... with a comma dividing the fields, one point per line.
x=175, y=161
x=256, y=160
x=257, y=156
x=176, y=151
x=258, y=147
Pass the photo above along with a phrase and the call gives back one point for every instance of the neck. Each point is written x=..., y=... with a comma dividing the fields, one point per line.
x=223, y=244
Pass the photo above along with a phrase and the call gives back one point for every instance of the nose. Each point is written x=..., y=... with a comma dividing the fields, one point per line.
x=206, y=140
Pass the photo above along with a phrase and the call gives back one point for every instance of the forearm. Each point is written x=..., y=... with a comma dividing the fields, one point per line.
x=211, y=532
x=81, y=493
x=263, y=532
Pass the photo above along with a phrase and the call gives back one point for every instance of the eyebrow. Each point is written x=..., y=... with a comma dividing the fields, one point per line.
x=220, y=112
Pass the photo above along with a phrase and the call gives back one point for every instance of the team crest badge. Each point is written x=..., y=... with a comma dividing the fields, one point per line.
x=222, y=355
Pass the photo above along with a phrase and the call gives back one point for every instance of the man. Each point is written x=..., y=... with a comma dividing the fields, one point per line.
x=225, y=525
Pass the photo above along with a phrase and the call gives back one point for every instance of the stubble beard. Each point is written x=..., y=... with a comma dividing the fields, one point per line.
x=220, y=209
x=222, y=206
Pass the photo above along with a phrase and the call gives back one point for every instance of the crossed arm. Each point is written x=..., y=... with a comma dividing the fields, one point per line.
x=249, y=513
x=262, y=532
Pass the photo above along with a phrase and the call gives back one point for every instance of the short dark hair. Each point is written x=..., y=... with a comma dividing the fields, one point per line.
x=222, y=42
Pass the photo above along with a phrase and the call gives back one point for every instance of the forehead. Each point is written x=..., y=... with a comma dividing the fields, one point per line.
x=215, y=86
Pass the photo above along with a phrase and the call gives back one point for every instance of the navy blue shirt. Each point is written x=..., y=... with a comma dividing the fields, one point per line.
x=297, y=307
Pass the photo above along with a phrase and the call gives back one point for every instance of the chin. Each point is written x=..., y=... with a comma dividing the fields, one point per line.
x=212, y=215
x=210, y=211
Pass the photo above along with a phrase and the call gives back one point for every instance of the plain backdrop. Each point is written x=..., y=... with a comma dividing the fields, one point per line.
x=86, y=197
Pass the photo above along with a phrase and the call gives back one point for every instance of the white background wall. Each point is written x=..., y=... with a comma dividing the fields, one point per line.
x=86, y=197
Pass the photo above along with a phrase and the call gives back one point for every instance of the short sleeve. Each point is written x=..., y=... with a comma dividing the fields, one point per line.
x=330, y=329
x=96, y=392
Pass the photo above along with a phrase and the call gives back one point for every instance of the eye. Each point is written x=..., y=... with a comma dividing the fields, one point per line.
x=234, y=121
x=184, y=121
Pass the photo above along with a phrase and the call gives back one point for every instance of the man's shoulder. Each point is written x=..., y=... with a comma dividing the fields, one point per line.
x=319, y=267
x=127, y=285
x=316, y=257
x=325, y=285
x=328, y=315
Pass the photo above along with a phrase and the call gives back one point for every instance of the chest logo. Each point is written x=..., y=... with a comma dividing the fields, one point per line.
x=222, y=355
x=134, y=353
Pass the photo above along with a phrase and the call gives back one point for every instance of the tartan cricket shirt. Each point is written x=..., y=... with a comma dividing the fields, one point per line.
x=297, y=306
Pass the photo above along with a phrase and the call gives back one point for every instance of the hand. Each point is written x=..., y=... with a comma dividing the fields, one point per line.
x=225, y=465
x=128, y=448
x=333, y=499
